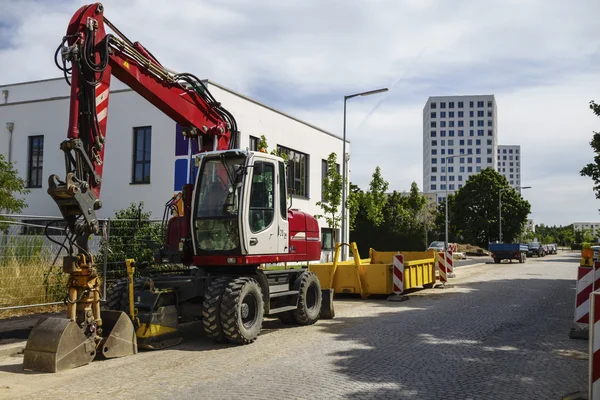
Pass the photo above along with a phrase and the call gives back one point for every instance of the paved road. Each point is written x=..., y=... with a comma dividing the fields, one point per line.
x=500, y=333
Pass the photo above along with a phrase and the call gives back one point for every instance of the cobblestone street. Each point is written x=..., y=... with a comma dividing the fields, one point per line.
x=501, y=332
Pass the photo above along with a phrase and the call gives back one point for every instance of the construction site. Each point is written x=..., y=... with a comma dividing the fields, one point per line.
x=242, y=288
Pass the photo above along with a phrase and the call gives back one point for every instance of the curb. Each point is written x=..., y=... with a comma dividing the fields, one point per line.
x=12, y=349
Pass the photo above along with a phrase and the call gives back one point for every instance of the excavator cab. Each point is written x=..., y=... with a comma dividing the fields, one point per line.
x=239, y=205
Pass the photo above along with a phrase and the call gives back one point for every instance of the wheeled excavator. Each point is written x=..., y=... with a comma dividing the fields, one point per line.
x=235, y=219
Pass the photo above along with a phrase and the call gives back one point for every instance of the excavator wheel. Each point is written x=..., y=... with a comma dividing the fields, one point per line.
x=242, y=310
x=117, y=296
x=211, y=309
x=310, y=299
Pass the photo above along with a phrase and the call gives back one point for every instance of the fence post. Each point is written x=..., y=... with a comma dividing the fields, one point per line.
x=106, y=234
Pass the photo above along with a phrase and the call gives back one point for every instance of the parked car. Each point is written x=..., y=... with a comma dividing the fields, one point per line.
x=437, y=246
x=553, y=248
x=535, y=249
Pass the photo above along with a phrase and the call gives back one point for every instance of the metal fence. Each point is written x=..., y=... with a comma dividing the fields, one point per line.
x=32, y=247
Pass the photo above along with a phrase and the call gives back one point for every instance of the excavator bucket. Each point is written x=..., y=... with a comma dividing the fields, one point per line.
x=58, y=344
x=119, y=338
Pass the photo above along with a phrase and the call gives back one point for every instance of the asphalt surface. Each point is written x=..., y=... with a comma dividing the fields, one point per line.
x=501, y=332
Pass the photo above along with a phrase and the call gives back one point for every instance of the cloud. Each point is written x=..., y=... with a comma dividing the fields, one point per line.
x=539, y=58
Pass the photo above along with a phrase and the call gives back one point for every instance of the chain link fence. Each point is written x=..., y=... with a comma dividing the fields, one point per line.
x=32, y=247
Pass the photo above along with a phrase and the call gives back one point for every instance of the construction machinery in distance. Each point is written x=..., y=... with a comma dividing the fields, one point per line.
x=235, y=218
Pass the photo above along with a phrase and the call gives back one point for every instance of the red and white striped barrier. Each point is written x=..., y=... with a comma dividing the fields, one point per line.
x=585, y=284
x=450, y=264
x=597, y=275
x=398, y=274
x=441, y=261
x=594, y=351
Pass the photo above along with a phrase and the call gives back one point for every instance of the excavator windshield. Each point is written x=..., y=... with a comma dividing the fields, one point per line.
x=218, y=201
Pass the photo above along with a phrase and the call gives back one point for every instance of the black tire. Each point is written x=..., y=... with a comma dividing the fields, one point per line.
x=211, y=309
x=117, y=296
x=242, y=310
x=497, y=260
x=310, y=299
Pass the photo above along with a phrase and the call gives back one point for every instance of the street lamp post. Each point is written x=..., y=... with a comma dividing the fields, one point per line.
x=346, y=98
x=446, y=199
x=500, y=208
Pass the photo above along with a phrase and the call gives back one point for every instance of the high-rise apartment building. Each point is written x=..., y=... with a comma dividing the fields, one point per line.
x=461, y=133
x=509, y=163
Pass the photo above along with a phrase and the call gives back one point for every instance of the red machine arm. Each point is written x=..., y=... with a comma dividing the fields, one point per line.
x=95, y=56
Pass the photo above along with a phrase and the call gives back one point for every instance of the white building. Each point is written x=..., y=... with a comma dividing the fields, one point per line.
x=509, y=163
x=153, y=167
x=464, y=128
x=592, y=227
x=530, y=225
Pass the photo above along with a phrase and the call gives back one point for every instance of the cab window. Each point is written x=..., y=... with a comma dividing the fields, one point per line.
x=262, y=196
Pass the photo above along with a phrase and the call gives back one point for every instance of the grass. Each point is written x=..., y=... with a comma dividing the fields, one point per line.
x=27, y=275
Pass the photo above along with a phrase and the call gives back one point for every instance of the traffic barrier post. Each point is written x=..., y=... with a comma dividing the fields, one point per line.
x=594, y=347
x=450, y=264
x=398, y=278
x=584, y=287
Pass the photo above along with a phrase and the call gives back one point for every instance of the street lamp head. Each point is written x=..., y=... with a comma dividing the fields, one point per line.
x=370, y=92
x=525, y=187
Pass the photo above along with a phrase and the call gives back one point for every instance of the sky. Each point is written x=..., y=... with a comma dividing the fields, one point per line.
x=540, y=58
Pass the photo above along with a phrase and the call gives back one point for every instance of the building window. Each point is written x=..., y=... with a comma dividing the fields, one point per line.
x=461, y=132
x=489, y=103
x=434, y=142
x=504, y=151
x=480, y=123
x=510, y=151
x=479, y=132
x=433, y=134
x=469, y=160
x=516, y=157
x=462, y=142
x=432, y=187
x=433, y=105
x=461, y=114
x=477, y=151
x=450, y=151
x=450, y=113
x=451, y=124
x=450, y=142
x=443, y=114
x=443, y=124
x=450, y=169
x=451, y=133
x=433, y=114
x=489, y=160
x=471, y=132
x=469, y=151
x=326, y=239
x=442, y=105
x=451, y=177
x=471, y=123
x=253, y=143
x=443, y=142
x=489, y=151
x=480, y=104
x=461, y=124
x=434, y=160
x=517, y=151
x=460, y=105
x=469, y=169
x=478, y=142
x=297, y=171
x=443, y=178
x=142, y=140
x=451, y=104
x=462, y=169
x=462, y=161
x=451, y=187
x=490, y=122
x=471, y=114
x=471, y=104
x=460, y=186
x=442, y=133
x=490, y=113
x=433, y=169
x=35, y=161
x=480, y=113
x=490, y=132
x=478, y=169
x=469, y=142
x=433, y=178
x=433, y=124
x=433, y=152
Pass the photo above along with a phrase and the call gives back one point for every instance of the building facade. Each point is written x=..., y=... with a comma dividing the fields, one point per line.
x=146, y=157
x=460, y=133
x=509, y=163
x=592, y=227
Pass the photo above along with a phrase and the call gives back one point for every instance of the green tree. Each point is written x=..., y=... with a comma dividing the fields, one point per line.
x=332, y=196
x=475, y=209
x=592, y=170
x=356, y=202
x=131, y=234
x=11, y=188
x=376, y=197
